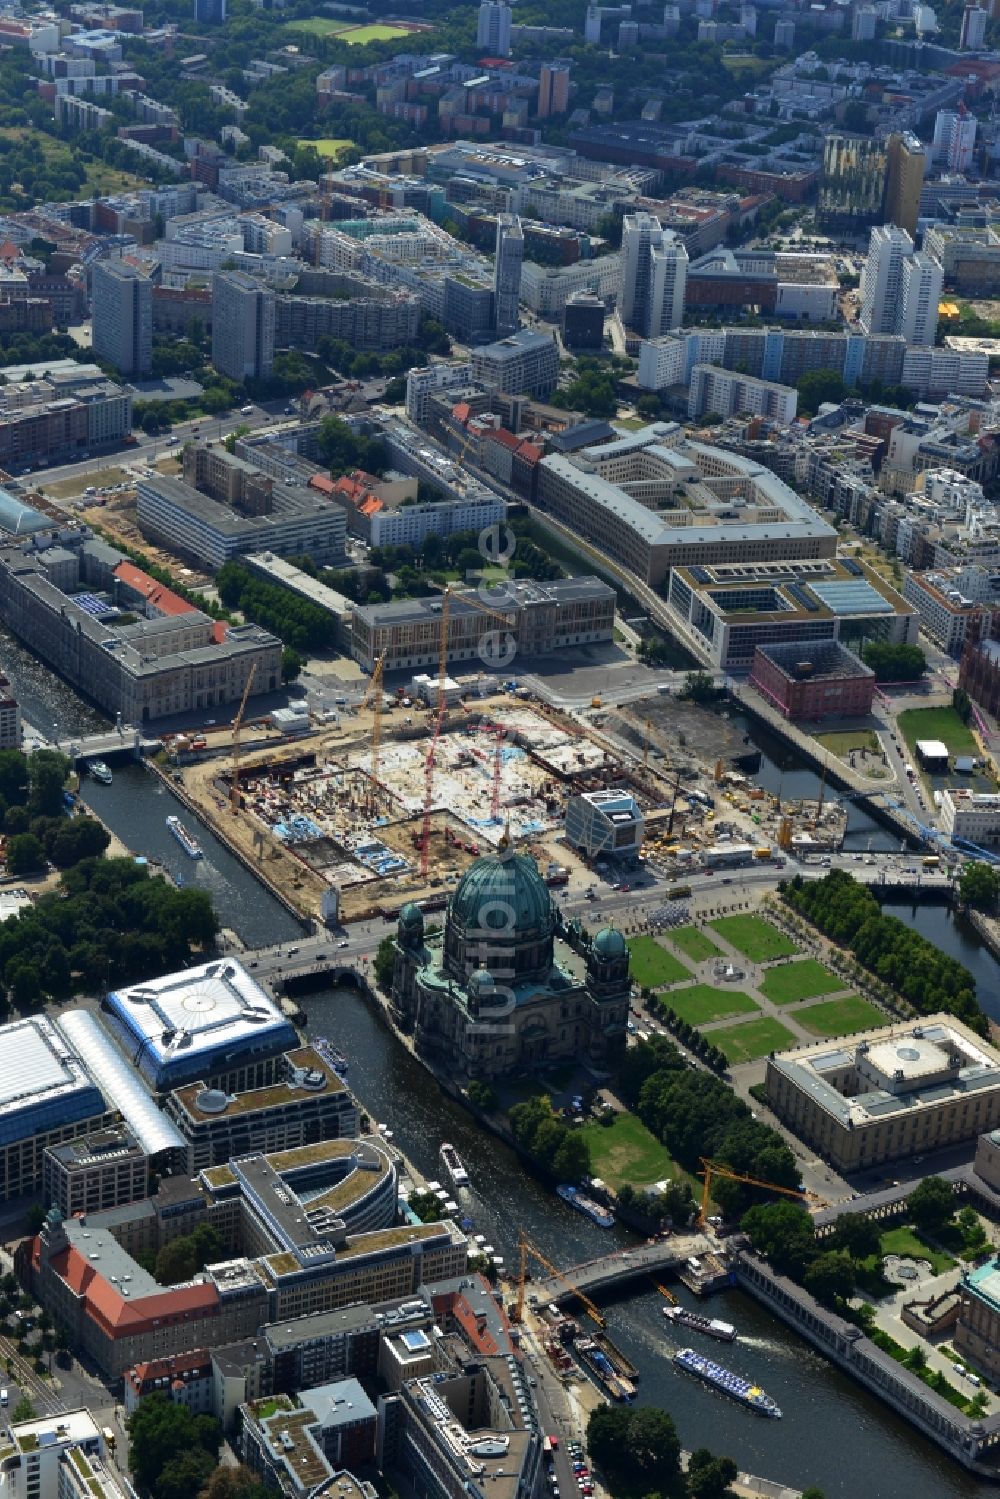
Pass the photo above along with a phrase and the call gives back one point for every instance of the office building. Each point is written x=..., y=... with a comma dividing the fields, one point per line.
x=493, y=29
x=553, y=89
x=46, y=1097
x=852, y=183
x=688, y=521
x=507, y=273
x=541, y=618
x=972, y=36
x=213, y=1022
x=10, y=716
x=863, y=24
x=906, y=165
x=888, y=1094
x=209, y=12
x=526, y=363
x=97, y=1170
x=954, y=140
x=977, y=1332
x=208, y=533
x=306, y=1102
x=583, y=321
x=971, y=817
x=606, y=824
x=297, y=1446
x=821, y=680
x=486, y=1010
x=184, y=1378
x=122, y=317
x=881, y=282
x=243, y=314
x=655, y=265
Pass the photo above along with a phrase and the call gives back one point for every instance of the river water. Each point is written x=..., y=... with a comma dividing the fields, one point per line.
x=833, y=1434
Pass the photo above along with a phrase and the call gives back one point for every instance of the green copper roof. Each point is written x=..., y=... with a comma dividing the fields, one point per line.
x=502, y=893
x=609, y=943
x=411, y=914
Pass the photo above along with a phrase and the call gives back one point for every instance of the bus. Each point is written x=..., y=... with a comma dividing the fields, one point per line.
x=932, y=861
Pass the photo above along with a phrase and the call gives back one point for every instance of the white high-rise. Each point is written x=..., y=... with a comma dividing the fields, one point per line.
x=242, y=326
x=882, y=279
x=923, y=278
x=507, y=273
x=954, y=140
x=493, y=32
x=900, y=290
x=122, y=309
x=655, y=266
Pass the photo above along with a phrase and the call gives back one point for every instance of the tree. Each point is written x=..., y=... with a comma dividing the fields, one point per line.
x=831, y=1277
x=23, y=1411
x=816, y=387
x=607, y=1435
x=654, y=1448
x=783, y=1233
x=932, y=1204
x=858, y=1235
x=25, y=854
x=979, y=886
x=571, y=1161
x=175, y=1262
x=184, y=1474
x=385, y=958
x=161, y=1431
x=47, y=772
x=234, y=1483
x=291, y=664
x=709, y=1477
x=698, y=687
x=894, y=663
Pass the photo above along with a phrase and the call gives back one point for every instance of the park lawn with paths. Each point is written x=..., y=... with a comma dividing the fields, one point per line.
x=754, y=937
x=839, y=1017
x=910, y=1244
x=745, y=1043
x=652, y=966
x=789, y=982
x=694, y=944
x=626, y=1151
x=842, y=742
x=701, y=1003
x=937, y=723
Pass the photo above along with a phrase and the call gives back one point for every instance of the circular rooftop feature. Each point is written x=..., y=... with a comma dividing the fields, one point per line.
x=504, y=894
x=908, y=1053
x=211, y=1101
x=199, y=1002
x=609, y=943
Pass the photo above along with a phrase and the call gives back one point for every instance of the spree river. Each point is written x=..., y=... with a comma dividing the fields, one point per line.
x=833, y=1433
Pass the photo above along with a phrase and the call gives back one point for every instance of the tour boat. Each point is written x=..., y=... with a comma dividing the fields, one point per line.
x=100, y=772
x=587, y=1205
x=190, y=846
x=452, y=1163
x=744, y=1391
x=712, y=1327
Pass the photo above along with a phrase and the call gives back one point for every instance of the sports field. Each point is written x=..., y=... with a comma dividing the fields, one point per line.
x=701, y=1003
x=755, y=938
x=651, y=966
x=744, y=1043
x=356, y=36
x=839, y=1017
x=789, y=982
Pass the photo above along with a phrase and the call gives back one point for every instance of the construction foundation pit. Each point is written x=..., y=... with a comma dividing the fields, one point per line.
x=365, y=838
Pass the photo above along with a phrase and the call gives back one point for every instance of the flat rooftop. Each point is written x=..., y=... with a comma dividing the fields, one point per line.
x=43, y=1083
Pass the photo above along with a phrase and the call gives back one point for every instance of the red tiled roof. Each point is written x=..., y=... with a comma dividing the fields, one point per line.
x=219, y=631
x=505, y=439
x=322, y=483
x=530, y=452
x=160, y=597
x=462, y=411
x=120, y=1316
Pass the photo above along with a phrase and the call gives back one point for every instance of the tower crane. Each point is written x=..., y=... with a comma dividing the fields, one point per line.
x=713, y=1169
x=234, y=789
x=528, y=1250
x=375, y=697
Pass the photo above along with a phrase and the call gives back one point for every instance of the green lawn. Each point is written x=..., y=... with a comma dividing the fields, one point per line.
x=328, y=145
x=937, y=723
x=701, y=1003
x=652, y=966
x=378, y=32
x=627, y=1152
x=694, y=944
x=839, y=1017
x=754, y=937
x=744, y=1043
x=851, y=739
x=318, y=26
x=803, y=980
x=907, y=1242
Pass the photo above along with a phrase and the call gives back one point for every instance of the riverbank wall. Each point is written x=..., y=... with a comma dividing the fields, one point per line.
x=973, y=1443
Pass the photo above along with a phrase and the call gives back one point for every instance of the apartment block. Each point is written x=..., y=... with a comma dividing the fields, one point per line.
x=729, y=394
x=192, y=525
x=97, y=1170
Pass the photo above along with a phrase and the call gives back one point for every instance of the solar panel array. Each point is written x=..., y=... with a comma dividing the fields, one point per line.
x=800, y=596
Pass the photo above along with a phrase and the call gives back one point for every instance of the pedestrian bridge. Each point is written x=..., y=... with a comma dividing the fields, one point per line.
x=618, y=1269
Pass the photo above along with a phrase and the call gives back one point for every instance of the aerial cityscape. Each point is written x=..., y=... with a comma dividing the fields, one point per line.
x=499, y=749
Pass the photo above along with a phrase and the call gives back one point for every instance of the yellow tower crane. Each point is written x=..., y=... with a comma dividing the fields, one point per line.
x=713, y=1169
x=528, y=1250
x=234, y=789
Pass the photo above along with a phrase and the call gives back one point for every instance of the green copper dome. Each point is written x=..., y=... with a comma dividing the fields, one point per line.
x=411, y=914
x=609, y=943
x=502, y=893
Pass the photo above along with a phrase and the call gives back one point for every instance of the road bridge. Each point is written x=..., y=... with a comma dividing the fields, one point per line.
x=610, y=1271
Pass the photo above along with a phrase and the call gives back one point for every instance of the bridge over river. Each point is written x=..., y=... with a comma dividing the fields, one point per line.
x=613, y=1270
